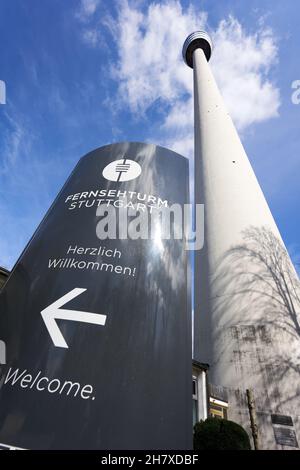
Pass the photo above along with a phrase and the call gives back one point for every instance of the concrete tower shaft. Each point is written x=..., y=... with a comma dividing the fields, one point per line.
x=247, y=325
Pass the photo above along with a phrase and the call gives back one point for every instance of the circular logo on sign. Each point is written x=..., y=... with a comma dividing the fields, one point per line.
x=122, y=170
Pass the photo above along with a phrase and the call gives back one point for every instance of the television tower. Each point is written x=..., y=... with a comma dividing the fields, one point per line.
x=247, y=308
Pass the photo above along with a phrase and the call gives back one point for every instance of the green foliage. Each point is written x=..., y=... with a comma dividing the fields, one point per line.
x=220, y=434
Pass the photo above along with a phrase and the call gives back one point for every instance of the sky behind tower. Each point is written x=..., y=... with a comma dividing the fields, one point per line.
x=85, y=73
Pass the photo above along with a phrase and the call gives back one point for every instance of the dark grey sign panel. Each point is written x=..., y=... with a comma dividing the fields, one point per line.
x=97, y=332
x=282, y=419
x=285, y=436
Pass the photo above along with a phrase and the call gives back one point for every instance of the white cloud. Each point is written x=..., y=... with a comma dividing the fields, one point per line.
x=88, y=15
x=150, y=68
x=12, y=143
x=241, y=64
x=91, y=36
x=26, y=179
x=87, y=9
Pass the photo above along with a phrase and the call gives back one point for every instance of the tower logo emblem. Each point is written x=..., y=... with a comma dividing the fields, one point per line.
x=122, y=170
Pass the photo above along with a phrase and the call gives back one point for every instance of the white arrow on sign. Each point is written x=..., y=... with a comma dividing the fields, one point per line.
x=54, y=312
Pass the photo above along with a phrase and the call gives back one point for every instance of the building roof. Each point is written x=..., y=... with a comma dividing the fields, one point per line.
x=4, y=271
x=200, y=365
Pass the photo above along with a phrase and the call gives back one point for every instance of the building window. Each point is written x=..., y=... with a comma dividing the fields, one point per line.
x=199, y=391
x=218, y=408
x=195, y=400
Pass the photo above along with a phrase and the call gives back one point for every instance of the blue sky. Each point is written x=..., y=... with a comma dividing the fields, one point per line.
x=76, y=80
